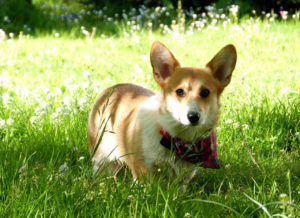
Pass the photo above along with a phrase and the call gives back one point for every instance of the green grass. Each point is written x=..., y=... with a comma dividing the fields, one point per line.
x=45, y=167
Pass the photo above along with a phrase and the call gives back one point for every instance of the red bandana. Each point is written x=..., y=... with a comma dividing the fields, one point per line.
x=204, y=150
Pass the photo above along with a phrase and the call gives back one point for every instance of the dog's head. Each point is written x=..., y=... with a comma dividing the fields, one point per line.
x=190, y=96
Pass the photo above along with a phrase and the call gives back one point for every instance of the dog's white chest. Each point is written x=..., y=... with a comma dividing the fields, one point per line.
x=153, y=151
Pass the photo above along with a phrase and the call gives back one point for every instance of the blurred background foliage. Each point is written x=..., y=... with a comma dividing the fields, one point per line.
x=35, y=16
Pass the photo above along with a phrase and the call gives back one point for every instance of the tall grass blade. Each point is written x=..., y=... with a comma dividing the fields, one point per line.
x=216, y=203
x=259, y=204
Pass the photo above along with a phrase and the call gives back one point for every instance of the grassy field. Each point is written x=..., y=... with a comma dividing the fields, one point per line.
x=49, y=84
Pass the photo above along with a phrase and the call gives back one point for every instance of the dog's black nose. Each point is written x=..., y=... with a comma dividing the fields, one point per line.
x=193, y=117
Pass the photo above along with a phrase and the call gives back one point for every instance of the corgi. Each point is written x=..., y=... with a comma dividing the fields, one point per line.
x=174, y=126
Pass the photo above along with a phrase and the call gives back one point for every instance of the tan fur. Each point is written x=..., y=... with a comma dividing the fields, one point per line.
x=136, y=114
x=125, y=100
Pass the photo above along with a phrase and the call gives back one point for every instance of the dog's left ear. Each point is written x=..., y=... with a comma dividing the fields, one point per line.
x=223, y=64
x=163, y=62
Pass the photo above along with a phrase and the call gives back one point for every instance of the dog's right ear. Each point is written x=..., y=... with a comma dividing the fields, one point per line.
x=163, y=62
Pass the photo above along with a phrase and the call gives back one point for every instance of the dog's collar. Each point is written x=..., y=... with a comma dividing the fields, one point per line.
x=204, y=150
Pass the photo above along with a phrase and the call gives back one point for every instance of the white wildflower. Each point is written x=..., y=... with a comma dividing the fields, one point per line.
x=46, y=91
x=234, y=9
x=2, y=34
x=81, y=102
x=67, y=101
x=86, y=74
x=34, y=119
x=44, y=106
x=5, y=99
x=284, y=14
x=86, y=57
x=187, y=215
x=24, y=167
x=2, y=124
x=6, y=19
x=282, y=195
x=36, y=96
x=209, y=8
x=85, y=32
x=9, y=121
x=70, y=80
x=285, y=90
x=63, y=170
x=4, y=78
x=50, y=51
x=41, y=111
x=213, y=22
x=85, y=85
x=60, y=110
x=24, y=93
x=138, y=69
x=236, y=125
x=228, y=121
x=54, y=116
x=57, y=91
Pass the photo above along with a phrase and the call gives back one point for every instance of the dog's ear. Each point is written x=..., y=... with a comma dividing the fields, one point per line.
x=163, y=62
x=223, y=64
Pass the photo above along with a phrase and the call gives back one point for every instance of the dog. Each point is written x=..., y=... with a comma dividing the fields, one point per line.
x=174, y=126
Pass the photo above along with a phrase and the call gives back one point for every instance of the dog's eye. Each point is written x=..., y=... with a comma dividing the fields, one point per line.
x=180, y=92
x=204, y=93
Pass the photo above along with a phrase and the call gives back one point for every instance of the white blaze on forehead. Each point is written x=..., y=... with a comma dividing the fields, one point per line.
x=173, y=106
x=179, y=110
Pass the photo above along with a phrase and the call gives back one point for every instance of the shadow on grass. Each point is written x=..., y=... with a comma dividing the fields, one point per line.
x=20, y=16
